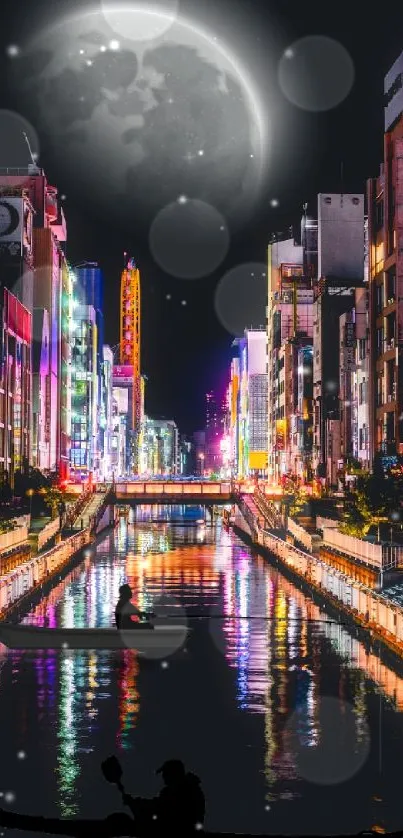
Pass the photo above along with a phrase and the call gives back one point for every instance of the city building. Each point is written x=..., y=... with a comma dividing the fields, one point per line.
x=291, y=267
x=89, y=291
x=16, y=306
x=85, y=465
x=199, y=438
x=253, y=403
x=340, y=272
x=119, y=432
x=385, y=232
x=15, y=387
x=123, y=393
x=160, y=454
x=106, y=414
x=233, y=412
x=34, y=269
x=130, y=345
x=41, y=390
x=213, y=433
x=186, y=464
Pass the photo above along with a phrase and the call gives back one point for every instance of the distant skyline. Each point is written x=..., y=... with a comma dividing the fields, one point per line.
x=185, y=350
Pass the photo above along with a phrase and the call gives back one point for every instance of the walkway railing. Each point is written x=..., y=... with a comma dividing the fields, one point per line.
x=268, y=510
x=377, y=555
x=311, y=541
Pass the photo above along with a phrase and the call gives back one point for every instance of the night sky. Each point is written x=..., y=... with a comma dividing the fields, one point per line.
x=185, y=350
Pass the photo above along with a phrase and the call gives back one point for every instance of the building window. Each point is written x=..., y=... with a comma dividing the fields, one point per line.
x=379, y=341
x=379, y=215
x=379, y=298
x=391, y=286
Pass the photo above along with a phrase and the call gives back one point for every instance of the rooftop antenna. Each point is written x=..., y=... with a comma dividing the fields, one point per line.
x=33, y=161
x=124, y=259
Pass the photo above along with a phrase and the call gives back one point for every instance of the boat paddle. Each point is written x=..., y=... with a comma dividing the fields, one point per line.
x=112, y=771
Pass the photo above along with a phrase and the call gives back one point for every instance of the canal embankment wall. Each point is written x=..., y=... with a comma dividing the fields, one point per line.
x=40, y=572
x=363, y=606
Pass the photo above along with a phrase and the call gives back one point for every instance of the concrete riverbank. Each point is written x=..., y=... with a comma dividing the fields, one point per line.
x=31, y=579
x=371, y=613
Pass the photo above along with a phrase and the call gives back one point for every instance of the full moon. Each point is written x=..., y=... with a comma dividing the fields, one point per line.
x=140, y=21
x=132, y=125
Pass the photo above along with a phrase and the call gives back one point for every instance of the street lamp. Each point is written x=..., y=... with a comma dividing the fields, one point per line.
x=201, y=458
x=29, y=493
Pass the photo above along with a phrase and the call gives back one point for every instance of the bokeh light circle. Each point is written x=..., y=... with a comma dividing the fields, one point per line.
x=316, y=73
x=141, y=21
x=14, y=152
x=169, y=612
x=338, y=747
x=189, y=240
x=241, y=298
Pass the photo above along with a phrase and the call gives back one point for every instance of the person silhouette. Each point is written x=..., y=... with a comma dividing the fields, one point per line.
x=179, y=808
x=125, y=610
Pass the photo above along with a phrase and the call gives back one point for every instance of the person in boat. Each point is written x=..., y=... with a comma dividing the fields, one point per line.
x=125, y=610
x=179, y=808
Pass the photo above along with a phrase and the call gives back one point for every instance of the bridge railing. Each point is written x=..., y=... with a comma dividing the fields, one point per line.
x=173, y=488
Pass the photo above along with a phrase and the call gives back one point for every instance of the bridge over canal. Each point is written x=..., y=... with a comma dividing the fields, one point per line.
x=173, y=491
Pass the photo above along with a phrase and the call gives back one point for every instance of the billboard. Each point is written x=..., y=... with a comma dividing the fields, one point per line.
x=123, y=375
x=393, y=93
x=341, y=236
x=15, y=227
x=17, y=318
x=281, y=427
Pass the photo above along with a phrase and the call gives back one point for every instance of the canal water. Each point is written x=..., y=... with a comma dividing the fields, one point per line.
x=291, y=722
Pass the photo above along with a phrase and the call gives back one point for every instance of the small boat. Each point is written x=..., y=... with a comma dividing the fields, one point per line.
x=142, y=639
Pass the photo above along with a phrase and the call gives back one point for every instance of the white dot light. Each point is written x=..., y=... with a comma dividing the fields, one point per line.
x=114, y=45
x=200, y=153
x=89, y=63
x=184, y=303
x=9, y=797
x=289, y=53
x=164, y=665
x=168, y=296
x=81, y=52
x=103, y=48
x=182, y=199
x=13, y=51
x=65, y=645
x=21, y=755
x=274, y=202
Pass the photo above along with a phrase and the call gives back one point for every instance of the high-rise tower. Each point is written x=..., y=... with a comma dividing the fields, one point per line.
x=130, y=342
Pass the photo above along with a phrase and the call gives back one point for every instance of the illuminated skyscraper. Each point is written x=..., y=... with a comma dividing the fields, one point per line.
x=130, y=345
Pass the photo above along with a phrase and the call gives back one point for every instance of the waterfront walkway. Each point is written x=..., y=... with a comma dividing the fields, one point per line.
x=378, y=611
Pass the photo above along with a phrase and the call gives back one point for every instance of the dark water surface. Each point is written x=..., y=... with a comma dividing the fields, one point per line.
x=293, y=725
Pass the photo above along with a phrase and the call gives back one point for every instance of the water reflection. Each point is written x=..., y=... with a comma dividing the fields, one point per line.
x=280, y=668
